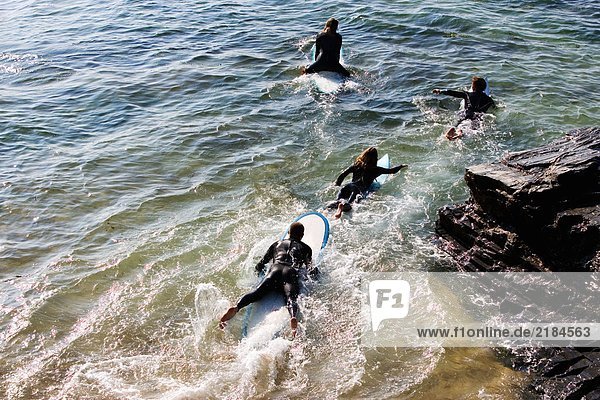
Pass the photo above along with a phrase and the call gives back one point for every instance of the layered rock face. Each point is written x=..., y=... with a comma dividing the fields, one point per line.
x=564, y=373
x=536, y=210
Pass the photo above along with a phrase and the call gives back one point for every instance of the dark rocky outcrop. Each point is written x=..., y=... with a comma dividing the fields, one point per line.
x=533, y=210
x=536, y=210
x=562, y=373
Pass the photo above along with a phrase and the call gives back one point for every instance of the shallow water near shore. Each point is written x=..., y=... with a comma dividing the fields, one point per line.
x=150, y=152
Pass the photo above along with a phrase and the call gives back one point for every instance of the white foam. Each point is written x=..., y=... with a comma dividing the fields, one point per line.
x=209, y=304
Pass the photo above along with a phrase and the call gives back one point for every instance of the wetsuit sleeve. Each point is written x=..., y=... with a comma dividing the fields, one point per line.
x=393, y=170
x=266, y=258
x=454, y=93
x=312, y=270
x=343, y=175
x=317, y=48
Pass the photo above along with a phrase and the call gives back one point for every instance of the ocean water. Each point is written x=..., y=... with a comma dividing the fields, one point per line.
x=150, y=152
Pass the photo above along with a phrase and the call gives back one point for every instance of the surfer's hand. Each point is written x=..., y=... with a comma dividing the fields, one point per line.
x=259, y=268
x=436, y=91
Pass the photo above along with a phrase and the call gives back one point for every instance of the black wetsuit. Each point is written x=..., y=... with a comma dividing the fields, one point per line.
x=288, y=257
x=475, y=102
x=362, y=178
x=327, y=54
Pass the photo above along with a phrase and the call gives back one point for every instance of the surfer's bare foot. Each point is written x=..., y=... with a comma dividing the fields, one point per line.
x=339, y=211
x=227, y=316
x=452, y=134
x=294, y=326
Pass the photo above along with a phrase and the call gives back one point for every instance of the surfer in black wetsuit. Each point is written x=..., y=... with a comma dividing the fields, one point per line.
x=364, y=172
x=476, y=103
x=289, y=257
x=327, y=51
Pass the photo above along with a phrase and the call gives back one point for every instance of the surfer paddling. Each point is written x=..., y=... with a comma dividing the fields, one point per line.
x=364, y=171
x=476, y=103
x=327, y=51
x=289, y=256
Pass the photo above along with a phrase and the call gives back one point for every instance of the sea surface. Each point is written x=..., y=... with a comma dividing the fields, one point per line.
x=150, y=151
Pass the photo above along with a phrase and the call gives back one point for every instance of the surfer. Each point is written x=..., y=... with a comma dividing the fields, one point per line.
x=364, y=172
x=476, y=103
x=289, y=256
x=327, y=51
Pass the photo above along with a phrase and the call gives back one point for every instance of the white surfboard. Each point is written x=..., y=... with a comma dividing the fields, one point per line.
x=487, y=87
x=380, y=180
x=316, y=235
x=327, y=81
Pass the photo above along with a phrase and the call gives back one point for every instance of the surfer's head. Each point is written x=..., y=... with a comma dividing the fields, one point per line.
x=367, y=158
x=478, y=84
x=296, y=231
x=331, y=25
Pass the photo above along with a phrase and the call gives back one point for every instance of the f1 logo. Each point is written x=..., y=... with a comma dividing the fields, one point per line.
x=389, y=299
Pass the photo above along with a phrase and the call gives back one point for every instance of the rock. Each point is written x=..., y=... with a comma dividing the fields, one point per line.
x=536, y=210
x=533, y=210
x=564, y=373
x=478, y=243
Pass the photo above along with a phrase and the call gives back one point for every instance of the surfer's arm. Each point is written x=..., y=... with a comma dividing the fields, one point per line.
x=312, y=270
x=266, y=258
x=393, y=170
x=343, y=175
x=318, y=47
x=454, y=93
x=317, y=51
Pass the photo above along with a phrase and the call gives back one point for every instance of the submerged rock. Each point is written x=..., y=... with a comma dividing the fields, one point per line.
x=536, y=210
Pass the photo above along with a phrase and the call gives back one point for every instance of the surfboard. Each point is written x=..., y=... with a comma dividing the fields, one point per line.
x=328, y=82
x=380, y=180
x=316, y=235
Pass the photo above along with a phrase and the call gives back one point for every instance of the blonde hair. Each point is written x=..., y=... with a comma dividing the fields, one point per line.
x=331, y=25
x=367, y=158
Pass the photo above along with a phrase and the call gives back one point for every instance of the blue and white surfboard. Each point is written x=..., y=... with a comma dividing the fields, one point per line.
x=316, y=235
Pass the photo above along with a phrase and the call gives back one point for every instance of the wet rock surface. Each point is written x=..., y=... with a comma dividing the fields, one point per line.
x=536, y=210
x=562, y=373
